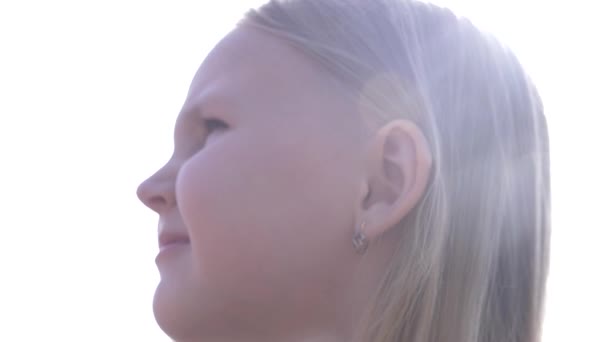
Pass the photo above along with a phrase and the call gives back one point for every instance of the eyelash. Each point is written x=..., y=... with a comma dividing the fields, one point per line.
x=213, y=124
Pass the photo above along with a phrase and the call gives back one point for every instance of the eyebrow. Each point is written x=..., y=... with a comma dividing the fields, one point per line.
x=191, y=108
x=185, y=118
x=204, y=105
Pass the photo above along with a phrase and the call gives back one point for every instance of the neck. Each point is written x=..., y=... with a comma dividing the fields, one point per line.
x=338, y=324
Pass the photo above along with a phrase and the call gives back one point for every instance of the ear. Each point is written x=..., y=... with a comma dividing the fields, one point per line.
x=398, y=169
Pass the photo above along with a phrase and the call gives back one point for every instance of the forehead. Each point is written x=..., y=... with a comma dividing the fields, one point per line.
x=250, y=66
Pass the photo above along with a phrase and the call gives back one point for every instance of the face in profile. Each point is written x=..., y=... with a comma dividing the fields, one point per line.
x=256, y=204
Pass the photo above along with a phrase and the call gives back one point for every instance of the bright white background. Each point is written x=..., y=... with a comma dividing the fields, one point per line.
x=88, y=95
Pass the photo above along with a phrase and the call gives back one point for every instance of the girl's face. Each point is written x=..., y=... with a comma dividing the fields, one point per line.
x=257, y=203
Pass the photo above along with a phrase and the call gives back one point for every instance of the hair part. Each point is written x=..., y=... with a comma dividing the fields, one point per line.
x=472, y=263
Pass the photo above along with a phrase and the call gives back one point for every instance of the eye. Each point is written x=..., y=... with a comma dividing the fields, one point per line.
x=213, y=124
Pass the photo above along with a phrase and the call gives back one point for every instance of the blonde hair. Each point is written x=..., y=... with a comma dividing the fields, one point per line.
x=473, y=259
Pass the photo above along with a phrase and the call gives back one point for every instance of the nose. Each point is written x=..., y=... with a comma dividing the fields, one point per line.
x=158, y=191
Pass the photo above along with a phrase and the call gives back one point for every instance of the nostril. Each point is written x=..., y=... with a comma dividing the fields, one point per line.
x=142, y=192
x=154, y=194
x=158, y=191
x=153, y=201
x=156, y=203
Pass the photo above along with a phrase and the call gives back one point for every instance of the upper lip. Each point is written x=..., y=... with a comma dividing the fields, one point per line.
x=168, y=237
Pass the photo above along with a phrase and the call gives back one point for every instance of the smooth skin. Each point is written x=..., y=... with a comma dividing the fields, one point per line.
x=272, y=172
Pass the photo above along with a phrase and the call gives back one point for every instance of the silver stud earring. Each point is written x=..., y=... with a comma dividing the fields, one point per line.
x=360, y=241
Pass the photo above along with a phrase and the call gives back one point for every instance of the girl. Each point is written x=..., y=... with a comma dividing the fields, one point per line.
x=371, y=171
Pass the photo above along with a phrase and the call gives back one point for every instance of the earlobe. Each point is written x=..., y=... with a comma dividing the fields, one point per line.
x=399, y=166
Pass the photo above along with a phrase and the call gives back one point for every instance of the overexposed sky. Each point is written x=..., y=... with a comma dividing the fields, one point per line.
x=88, y=95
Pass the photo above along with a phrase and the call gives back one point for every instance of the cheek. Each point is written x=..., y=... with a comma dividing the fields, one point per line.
x=262, y=212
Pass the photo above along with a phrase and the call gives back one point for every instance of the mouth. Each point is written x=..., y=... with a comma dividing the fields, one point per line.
x=167, y=239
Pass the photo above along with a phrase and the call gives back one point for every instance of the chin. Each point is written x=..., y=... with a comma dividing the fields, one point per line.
x=173, y=313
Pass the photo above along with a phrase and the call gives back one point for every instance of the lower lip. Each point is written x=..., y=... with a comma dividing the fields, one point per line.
x=171, y=249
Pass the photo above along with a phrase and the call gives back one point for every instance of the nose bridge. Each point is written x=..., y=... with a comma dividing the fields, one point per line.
x=158, y=191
